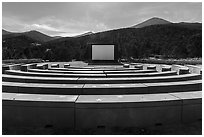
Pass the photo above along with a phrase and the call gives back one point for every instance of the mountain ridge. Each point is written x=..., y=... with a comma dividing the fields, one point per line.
x=151, y=21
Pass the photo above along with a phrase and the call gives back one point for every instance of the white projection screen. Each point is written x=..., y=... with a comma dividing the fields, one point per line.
x=102, y=52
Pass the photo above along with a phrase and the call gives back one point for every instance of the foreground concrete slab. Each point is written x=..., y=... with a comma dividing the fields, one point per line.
x=30, y=110
x=104, y=111
x=191, y=105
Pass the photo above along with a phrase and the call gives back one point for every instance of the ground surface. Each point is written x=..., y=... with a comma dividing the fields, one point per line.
x=188, y=129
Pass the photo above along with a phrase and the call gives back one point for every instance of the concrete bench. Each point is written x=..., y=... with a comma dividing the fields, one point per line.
x=180, y=86
x=165, y=68
x=20, y=73
x=143, y=74
x=31, y=79
x=183, y=70
x=4, y=68
x=74, y=80
x=26, y=67
x=195, y=69
x=118, y=80
x=101, y=69
x=151, y=67
x=139, y=66
x=180, y=69
x=106, y=111
x=126, y=65
x=142, y=88
x=54, y=65
x=39, y=88
x=36, y=110
x=102, y=89
x=129, y=71
x=66, y=65
x=42, y=66
x=66, y=72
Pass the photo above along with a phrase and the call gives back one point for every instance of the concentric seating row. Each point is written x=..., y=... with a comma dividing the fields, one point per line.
x=95, y=97
x=104, y=111
x=140, y=73
x=75, y=80
x=102, y=89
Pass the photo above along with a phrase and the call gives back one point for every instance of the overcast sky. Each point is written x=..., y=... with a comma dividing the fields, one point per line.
x=67, y=19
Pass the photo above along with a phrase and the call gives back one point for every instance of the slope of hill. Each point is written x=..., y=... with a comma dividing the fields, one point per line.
x=38, y=36
x=4, y=32
x=152, y=21
x=84, y=34
x=177, y=40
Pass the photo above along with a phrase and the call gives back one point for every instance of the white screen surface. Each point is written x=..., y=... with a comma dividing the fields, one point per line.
x=102, y=52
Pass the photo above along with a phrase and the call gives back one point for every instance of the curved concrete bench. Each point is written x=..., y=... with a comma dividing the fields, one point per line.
x=107, y=111
x=102, y=89
x=92, y=72
x=36, y=110
x=58, y=80
x=139, y=80
x=139, y=66
x=54, y=65
x=195, y=69
x=42, y=66
x=169, y=73
x=100, y=69
x=66, y=72
x=66, y=65
x=151, y=67
x=28, y=66
x=180, y=69
x=126, y=65
x=165, y=68
x=142, y=88
x=31, y=79
x=39, y=88
x=20, y=73
x=129, y=71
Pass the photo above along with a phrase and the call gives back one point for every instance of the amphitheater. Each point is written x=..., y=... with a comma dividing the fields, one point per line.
x=64, y=96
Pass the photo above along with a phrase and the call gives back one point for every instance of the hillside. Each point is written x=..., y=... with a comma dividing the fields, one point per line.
x=176, y=40
x=4, y=32
x=36, y=35
x=152, y=21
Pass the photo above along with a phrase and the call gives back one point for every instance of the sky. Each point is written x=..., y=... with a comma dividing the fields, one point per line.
x=69, y=18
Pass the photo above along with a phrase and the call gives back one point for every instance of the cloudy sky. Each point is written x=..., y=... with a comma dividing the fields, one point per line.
x=68, y=19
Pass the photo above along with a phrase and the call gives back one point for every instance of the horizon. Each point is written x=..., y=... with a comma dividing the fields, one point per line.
x=71, y=19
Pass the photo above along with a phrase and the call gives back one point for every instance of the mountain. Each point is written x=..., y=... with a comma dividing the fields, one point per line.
x=84, y=34
x=35, y=35
x=171, y=40
x=4, y=32
x=152, y=21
